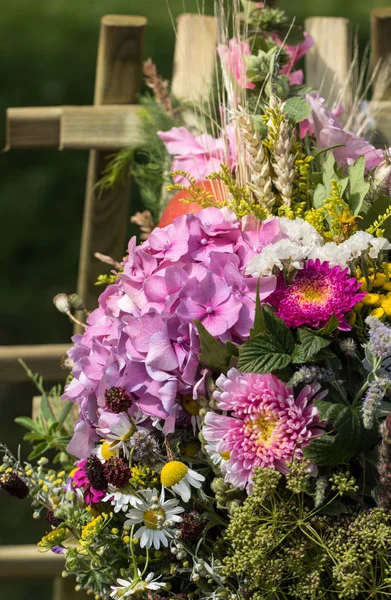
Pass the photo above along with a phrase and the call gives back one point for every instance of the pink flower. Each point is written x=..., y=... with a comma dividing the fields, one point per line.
x=80, y=480
x=296, y=52
x=329, y=131
x=317, y=292
x=266, y=425
x=232, y=60
x=142, y=338
x=199, y=156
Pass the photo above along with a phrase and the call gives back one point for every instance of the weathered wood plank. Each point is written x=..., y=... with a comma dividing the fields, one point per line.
x=195, y=57
x=328, y=62
x=381, y=111
x=45, y=360
x=381, y=46
x=106, y=215
x=25, y=561
x=73, y=127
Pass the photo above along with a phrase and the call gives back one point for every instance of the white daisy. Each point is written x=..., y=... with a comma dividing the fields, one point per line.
x=121, y=500
x=105, y=451
x=215, y=456
x=157, y=515
x=118, y=429
x=177, y=477
x=130, y=587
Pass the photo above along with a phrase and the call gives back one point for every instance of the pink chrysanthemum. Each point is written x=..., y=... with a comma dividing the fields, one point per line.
x=267, y=425
x=316, y=293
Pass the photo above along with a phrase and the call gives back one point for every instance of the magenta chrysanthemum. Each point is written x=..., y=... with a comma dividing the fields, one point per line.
x=267, y=425
x=316, y=293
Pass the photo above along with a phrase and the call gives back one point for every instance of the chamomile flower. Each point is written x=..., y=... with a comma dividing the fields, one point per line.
x=177, y=477
x=157, y=516
x=105, y=451
x=136, y=586
x=121, y=501
x=215, y=456
x=117, y=429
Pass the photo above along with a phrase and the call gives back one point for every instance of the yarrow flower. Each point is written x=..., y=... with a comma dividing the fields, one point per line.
x=316, y=293
x=267, y=426
x=157, y=517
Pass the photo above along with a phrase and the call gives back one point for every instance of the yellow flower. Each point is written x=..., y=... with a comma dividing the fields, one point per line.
x=371, y=300
x=106, y=450
x=364, y=285
x=387, y=286
x=377, y=312
x=143, y=476
x=173, y=472
x=386, y=306
x=379, y=280
x=53, y=538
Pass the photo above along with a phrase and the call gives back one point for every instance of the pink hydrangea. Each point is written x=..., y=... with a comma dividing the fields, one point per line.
x=317, y=292
x=266, y=426
x=142, y=337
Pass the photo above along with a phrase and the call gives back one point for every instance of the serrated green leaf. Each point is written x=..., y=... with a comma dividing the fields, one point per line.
x=309, y=347
x=38, y=450
x=346, y=440
x=262, y=355
x=358, y=187
x=28, y=423
x=331, y=325
x=297, y=109
x=214, y=354
x=278, y=330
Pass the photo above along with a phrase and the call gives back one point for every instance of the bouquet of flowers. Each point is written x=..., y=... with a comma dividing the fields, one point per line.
x=225, y=432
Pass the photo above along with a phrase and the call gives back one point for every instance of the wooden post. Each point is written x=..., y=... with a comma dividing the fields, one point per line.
x=381, y=45
x=195, y=57
x=118, y=78
x=44, y=359
x=328, y=62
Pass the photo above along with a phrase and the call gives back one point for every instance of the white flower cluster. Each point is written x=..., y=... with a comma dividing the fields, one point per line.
x=303, y=242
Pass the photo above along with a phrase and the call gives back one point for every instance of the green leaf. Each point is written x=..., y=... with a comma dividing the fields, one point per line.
x=297, y=109
x=46, y=409
x=330, y=327
x=323, y=190
x=378, y=208
x=64, y=413
x=311, y=344
x=278, y=330
x=348, y=438
x=214, y=353
x=320, y=195
x=38, y=450
x=259, y=321
x=334, y=509
x=28, y=423
x=265, y=354
x=31, y=436
x=358, y=187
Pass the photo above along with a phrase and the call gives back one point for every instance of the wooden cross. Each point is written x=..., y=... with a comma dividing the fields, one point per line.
x=107, y=126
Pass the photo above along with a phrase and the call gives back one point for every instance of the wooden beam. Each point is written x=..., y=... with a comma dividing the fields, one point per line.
x=73, y=127
x=381, y=111
x=26, y=562
x=195, y=57
x=328, y=62
x=106, y=215
x=381, y=45
x=45, y=360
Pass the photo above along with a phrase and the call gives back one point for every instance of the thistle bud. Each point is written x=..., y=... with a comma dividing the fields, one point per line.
x=61, y=302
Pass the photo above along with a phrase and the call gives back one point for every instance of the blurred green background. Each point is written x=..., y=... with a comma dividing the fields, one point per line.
x=47, y=57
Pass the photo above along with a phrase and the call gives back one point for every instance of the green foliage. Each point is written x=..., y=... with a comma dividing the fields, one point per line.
x=297, y=109
x=358, y=186
x=310, y=345
x=347, y=439
x=214, y=353
x=53, y=427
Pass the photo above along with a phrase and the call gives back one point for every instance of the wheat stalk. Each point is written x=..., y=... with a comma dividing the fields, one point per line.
x=282, y=157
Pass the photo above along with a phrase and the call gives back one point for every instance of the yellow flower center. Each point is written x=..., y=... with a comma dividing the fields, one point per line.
x=225, y=455
x=151, y=518
x=261, y=429
x=191, y=406
x=173, y=472
x=106, y=450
